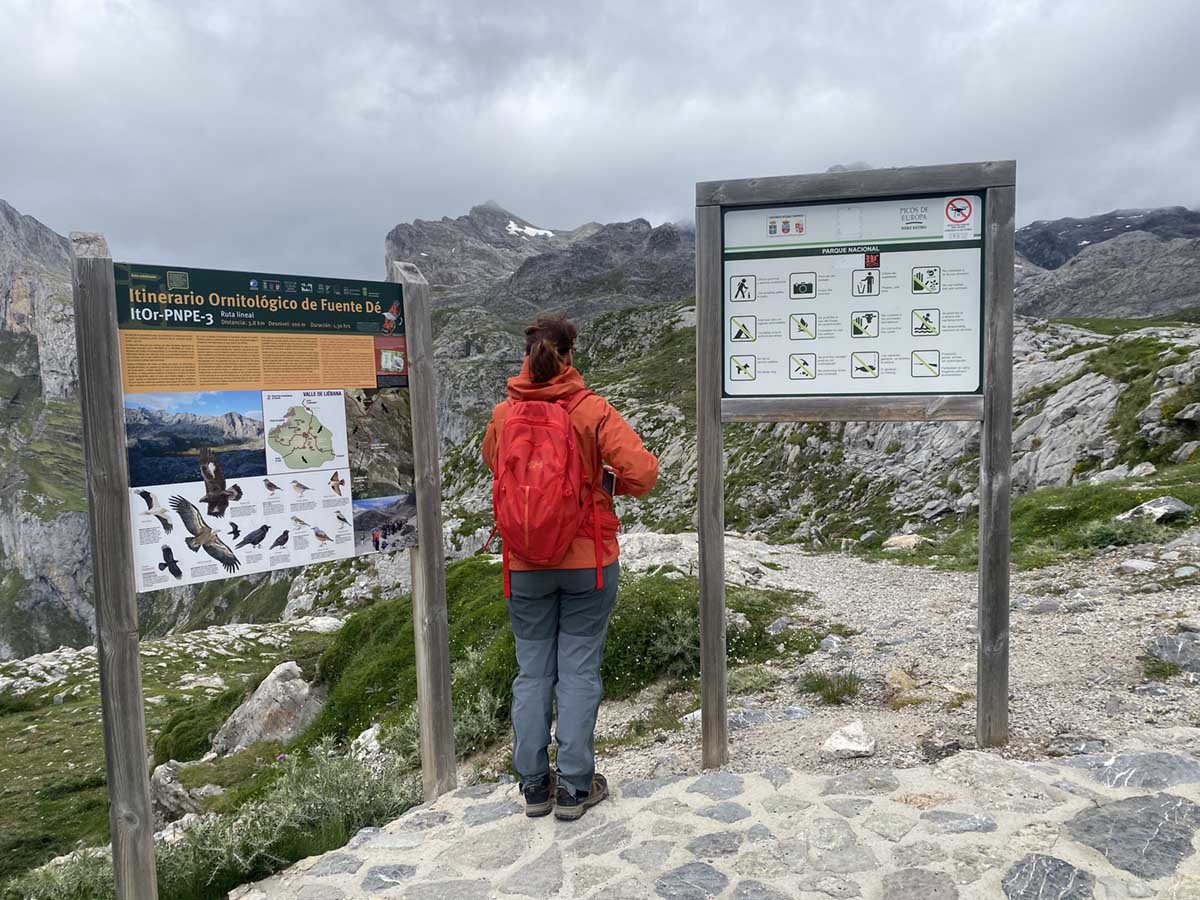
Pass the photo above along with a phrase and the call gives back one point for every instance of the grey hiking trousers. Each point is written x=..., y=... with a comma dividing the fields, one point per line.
x=560, y=621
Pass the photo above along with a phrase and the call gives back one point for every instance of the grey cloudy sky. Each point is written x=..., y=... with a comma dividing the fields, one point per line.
x=290, y=136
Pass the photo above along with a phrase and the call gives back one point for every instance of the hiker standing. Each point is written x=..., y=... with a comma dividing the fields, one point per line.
x=558, y=453
x=375, y=537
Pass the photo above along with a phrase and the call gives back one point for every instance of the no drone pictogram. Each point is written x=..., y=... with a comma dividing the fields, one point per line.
x=958, y=210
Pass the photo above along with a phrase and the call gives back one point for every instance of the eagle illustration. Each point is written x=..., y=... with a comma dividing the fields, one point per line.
x=216, y=495
x=203, y=535
x=170, y=563
x=156, y=509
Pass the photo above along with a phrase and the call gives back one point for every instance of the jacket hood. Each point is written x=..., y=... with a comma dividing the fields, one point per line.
x=565, y=384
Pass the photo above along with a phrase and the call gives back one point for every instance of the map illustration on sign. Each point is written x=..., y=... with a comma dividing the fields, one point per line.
x=306, y=430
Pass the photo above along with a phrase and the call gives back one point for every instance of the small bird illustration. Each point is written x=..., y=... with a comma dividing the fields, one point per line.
x=390, y=318
x=281, y=540
x=203, y=535
x=216, y=494
x=320, y=535
x=272, y=487
x=170, y=563
x=234, y=531
x=299, y=522
x=254, y=538
x=299, y=488
x=336, y=482
x=156, y=509
x=338, y=515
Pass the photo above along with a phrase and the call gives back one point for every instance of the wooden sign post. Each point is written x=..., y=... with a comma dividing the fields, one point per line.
x=117, y=570
x=876, y=295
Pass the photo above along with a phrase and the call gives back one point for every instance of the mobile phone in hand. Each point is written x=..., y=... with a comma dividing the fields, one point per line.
x=609, y=483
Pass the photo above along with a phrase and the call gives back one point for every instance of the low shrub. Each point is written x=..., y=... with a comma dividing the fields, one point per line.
x=321, y=801
x=833, y=689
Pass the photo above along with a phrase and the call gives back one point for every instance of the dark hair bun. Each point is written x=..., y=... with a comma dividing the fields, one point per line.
x=548, y=343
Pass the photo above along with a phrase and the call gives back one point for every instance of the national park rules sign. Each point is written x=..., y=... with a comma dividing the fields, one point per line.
x=267, y=421
x=855, y=298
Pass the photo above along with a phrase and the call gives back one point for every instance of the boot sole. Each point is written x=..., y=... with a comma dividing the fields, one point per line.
x=571, y=813
x=535, y=811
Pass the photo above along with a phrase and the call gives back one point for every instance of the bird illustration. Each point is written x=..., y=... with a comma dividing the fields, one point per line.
x=154, y=508
x=300, y=489
x=281, y=540
x=390, y=317
x=299, y=522
x=234, y=531
x=216, y=495
x=170, y=563
x=336, y=482
x=320, y=535
x=338, y=515
x=271, y=486
x=203, y=535
x=254, y=538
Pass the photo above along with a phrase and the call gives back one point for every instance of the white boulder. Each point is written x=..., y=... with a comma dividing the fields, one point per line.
x=282, y=707
x=849, y=742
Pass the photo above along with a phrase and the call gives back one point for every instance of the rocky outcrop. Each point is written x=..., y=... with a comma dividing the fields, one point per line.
x=278, y=710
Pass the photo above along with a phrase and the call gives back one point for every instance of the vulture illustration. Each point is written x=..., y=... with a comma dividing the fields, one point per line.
x=336, y=482
x=320, y=535
x=154, y=508
x=338, y=515
x=203, y=535
x=300, y=489
x=281, y=540
x=169, y=563
x=253, y=538
x=216, y=495
x=271, y=486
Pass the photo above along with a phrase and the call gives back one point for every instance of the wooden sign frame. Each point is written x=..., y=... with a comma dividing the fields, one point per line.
x=992, y=406
x=131, y=816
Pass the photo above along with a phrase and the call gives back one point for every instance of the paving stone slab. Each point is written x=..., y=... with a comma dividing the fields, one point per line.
x=864, y=783
x=1147, y=836
x=455, y=889
x=383, y=878
x=918, y=884
x=649, y=856
x=945, y=821
x=777, y=775
x=541, y=878
x=716, y=844
x=336, y=864
x=717, y=785
x=693, y=881
x=756, y=890
x=1039, y=877
x=1151, y=771
x=602, y=840
x=726, y=811
x=646, y=787
x=830, y=885
x=490, y=812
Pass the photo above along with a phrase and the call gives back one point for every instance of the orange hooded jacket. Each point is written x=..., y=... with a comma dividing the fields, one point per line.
x=602, y=436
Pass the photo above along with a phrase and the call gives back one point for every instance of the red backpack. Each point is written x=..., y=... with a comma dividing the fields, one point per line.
x=539, y=497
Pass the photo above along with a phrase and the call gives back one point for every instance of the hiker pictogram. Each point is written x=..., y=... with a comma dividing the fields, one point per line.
x=742, y=288
x=743, y=328
x=802, y=285
x=864, y=365
x=802, y=327
x=865, y=283
x=742, y=368
x=802, y=366
x=864, y=324
x=926, y=363
x=927, y=279
x=926, y=322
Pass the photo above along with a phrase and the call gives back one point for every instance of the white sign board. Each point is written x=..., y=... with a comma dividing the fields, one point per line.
x=868, y=297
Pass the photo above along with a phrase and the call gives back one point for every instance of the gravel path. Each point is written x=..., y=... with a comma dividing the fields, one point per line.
x=1076, y=680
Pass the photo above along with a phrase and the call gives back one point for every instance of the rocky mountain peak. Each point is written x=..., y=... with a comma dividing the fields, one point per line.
x=1050, y=244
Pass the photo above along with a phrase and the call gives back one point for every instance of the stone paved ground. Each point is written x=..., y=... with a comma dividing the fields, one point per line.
x=973, y=826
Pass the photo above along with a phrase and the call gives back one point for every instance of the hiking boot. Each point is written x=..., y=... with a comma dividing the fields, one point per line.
x=568, y=807
x=539, y=795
